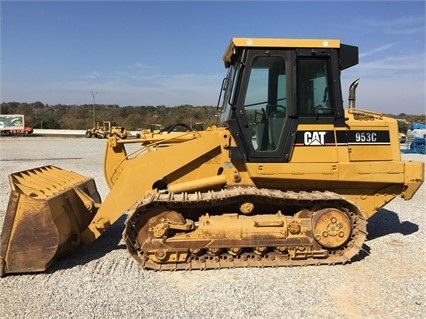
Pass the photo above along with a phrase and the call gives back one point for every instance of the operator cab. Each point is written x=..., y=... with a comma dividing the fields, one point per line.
x=273, y=85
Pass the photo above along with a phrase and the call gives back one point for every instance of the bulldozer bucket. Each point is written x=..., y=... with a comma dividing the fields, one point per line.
x=48, y=209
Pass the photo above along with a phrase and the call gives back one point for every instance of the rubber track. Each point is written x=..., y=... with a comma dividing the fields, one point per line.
x=223, y=197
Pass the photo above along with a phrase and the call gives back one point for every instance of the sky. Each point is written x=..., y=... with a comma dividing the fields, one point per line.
x=170, y=52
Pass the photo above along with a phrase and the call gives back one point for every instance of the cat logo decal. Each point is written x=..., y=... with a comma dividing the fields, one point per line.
x=314, y=138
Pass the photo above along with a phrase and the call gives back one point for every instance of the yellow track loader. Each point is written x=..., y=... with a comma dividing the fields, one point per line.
x=105, y=129
x=289, y=177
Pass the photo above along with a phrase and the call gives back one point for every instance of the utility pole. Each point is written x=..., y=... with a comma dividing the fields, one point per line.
x=94, y=104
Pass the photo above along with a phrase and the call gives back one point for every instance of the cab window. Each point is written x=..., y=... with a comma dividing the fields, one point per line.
x=313, y=87
x=265, y=101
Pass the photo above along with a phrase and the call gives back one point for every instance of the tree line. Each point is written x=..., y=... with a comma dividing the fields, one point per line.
x=82, y=117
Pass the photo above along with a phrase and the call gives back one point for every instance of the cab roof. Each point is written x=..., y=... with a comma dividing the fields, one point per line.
x=277, y=43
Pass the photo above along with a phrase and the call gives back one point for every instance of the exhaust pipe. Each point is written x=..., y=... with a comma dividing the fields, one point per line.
x=352, y=90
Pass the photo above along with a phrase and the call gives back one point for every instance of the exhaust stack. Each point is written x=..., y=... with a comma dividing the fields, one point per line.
x=352, y=90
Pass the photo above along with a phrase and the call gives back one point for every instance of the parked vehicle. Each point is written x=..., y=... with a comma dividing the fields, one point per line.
x=106, y=129
x=416, y=138
x=14, y=124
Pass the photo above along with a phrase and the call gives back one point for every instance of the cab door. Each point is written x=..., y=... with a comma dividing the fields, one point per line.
x=261, y=120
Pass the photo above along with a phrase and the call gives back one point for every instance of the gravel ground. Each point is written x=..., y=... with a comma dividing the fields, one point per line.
x=101, y=281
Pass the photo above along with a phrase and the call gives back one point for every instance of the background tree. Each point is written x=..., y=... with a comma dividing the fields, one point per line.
x=80, y=117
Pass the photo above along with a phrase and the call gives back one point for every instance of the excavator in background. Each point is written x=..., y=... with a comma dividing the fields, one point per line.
x=289, y=177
